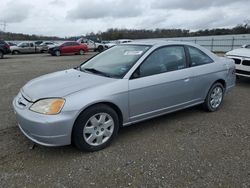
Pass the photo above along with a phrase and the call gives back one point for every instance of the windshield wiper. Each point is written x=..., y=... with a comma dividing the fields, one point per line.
x=95, y=71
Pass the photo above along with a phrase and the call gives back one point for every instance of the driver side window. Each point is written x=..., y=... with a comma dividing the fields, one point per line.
x=162, y=60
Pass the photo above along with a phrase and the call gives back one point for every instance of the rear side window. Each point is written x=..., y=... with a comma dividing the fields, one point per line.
x=198, y=57
x=66, y=44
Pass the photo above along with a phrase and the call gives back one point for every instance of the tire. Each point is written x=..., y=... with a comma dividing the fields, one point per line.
x=100, y=48
x=1, y=54
x=81, y=52
x=57, y=53
x=15, y=52
x=95, y=128
x=214, y=97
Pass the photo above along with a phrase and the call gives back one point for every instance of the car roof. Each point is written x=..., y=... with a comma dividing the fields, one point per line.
x=158, y=42
x=164, y=42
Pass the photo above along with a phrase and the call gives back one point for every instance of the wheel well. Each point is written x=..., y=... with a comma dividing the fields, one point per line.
x=113, y=106
x=221, y=82
x=117, y=110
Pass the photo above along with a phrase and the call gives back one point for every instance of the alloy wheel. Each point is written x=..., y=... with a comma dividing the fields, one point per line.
x=216, y=97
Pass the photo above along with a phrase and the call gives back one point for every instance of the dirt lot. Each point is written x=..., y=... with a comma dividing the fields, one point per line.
x=190, y=148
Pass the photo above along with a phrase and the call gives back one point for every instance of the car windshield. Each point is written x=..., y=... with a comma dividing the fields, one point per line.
x=23, y=44
x=115, y=62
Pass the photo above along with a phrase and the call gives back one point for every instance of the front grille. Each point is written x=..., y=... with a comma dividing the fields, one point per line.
x=243, y=72
x=246, y=62
x=237, y=61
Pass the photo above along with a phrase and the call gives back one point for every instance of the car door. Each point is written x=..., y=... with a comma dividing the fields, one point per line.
x=32, y=48
x=24, y=48
x=160, y=84
x=204, y=71
x=91, y=45
x=66, y=48
x=75, y=47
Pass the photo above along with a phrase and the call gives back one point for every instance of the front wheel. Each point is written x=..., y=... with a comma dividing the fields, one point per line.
x=214, y=98
x=57, y=53
x=95, y=128
x=15, y=52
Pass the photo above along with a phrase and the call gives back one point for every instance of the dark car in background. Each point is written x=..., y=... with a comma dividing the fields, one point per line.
x=12, y=43
x=70, y=47
x=4, y=48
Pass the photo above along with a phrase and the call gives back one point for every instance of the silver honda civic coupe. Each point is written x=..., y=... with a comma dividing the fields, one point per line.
x=121, y=86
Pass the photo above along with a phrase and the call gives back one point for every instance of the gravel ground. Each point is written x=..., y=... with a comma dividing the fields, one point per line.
x=190, y=148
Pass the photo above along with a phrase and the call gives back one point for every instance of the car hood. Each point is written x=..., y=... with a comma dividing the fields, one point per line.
x=14, y=47
x=243, y=52
x=61, y=84
x=110, y=44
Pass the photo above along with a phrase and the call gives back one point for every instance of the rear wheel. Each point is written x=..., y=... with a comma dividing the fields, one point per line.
x=81, y=52
x=214, y=97
x=1, y=55
x=57, y=53
x=95, y=128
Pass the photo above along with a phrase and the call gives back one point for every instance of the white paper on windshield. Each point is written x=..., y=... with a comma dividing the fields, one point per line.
x=133, y=52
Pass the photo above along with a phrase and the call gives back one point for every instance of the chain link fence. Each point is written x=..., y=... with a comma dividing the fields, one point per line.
x=218, y=45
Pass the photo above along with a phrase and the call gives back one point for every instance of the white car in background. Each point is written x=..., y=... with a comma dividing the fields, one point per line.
x=46, y=45
x=92, y=46
x=116, y=42
x=241, y=58
x=246, y=46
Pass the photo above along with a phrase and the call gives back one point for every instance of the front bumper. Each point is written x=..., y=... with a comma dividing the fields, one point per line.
x=47, y=130
x=242, y=70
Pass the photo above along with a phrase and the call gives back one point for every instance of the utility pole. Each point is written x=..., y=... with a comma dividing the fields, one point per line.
x=4, y=25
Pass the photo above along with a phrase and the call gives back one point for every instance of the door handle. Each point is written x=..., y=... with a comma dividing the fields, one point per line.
x=186, y=79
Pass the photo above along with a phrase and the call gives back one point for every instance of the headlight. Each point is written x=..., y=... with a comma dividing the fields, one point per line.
x=48, y=106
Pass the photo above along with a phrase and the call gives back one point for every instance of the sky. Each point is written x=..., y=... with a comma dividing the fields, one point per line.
x=79, y=17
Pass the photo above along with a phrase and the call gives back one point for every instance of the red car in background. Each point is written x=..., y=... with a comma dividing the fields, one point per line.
x=70, y=47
